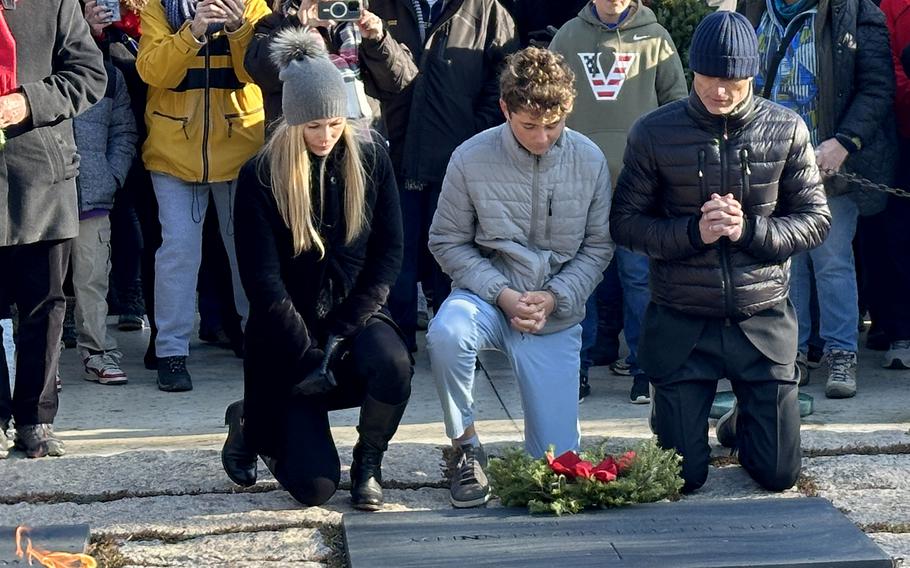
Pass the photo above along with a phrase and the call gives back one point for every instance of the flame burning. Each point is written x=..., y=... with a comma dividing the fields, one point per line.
x=49, y=559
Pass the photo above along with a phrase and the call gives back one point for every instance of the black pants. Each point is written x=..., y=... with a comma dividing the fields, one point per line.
x=33, y=280
x=376, y=364
x=417, y=265
x=767, y=428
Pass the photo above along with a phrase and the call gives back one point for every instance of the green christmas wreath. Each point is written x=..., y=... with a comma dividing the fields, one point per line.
x=572, y=482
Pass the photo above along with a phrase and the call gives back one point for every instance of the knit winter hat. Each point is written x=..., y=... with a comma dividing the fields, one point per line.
x=313, y=87
x=724, y=45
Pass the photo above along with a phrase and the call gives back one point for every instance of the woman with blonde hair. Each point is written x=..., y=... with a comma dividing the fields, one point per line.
x=319, y=244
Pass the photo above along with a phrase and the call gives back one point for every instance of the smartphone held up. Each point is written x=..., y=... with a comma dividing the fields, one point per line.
x=339, y=10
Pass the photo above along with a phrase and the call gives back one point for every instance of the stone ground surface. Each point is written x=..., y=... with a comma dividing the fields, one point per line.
x=143, y=466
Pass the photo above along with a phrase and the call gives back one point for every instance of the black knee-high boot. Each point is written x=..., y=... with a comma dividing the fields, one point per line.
x=378, y=423
x=238, y=460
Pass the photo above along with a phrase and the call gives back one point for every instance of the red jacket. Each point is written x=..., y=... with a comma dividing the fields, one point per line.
x=897, y=14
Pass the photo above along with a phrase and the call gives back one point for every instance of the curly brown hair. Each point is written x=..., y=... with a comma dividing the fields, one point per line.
x=540, y=82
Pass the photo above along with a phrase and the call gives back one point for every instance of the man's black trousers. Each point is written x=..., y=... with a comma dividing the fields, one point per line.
x=767, y=428
x=33, y=281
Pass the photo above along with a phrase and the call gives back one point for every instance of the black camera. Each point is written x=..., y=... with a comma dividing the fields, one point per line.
x=339, y=10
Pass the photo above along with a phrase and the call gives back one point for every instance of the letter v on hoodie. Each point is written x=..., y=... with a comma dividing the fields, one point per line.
x=620, y=75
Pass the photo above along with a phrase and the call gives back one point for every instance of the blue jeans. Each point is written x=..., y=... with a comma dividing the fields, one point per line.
x=633, y=276
x=835, y=282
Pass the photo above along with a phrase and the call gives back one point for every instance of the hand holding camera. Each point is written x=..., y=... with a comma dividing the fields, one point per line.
x=228, y=13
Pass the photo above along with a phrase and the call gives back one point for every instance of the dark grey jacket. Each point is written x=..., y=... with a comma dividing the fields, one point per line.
x=59, y=68
x=855, y=82
x=677, y=156
x=106, y=138
x=437, y=93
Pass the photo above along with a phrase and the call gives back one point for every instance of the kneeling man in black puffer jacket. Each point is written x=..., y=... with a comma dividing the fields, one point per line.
x=720, y=190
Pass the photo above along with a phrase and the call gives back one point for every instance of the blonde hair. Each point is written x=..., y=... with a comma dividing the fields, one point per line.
x=289, y=163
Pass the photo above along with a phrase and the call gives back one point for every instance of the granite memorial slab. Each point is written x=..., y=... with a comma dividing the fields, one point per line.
x=779, y=533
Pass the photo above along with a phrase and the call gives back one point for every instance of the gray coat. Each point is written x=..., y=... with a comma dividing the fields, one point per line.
x=106, y=139
x=60, y=71
x=507, y=218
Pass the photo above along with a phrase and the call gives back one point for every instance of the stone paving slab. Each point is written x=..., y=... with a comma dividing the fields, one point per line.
x=296, y=545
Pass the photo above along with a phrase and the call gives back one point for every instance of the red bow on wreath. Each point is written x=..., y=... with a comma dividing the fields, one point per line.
x=572, y=466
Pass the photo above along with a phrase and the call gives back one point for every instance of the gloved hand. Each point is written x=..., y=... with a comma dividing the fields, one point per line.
x=321, y=379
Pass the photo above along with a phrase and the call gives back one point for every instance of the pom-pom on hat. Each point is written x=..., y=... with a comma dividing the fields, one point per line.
x=724, y=45
x=312, y=87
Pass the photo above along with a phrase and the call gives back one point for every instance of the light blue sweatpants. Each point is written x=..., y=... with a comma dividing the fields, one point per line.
x=181, y=210
x=546, y=367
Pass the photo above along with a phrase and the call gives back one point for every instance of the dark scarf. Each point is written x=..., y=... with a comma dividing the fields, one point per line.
x=786, y=12
x=180, y=11
x=8, y=82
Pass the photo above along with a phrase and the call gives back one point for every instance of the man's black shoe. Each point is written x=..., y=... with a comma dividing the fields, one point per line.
x=238, y=461
x=172, y=374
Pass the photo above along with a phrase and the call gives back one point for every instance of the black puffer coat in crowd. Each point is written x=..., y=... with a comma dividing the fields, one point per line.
x=677, y=156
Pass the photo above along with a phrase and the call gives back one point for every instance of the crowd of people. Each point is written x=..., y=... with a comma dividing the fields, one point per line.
x=526, y=176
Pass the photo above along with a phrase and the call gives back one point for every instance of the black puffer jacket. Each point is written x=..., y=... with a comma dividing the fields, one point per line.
x=439, y=92
x=676, y=158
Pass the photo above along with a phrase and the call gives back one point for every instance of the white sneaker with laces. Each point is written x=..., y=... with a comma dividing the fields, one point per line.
x=104, y=368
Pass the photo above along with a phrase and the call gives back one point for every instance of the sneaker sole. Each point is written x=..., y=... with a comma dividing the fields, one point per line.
x=640, y=400
x=838, y=393
x=621, y=372
x=468, y=504
x=93, y=378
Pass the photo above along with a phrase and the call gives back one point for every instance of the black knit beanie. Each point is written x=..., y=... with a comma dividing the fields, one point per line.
x=724, y=45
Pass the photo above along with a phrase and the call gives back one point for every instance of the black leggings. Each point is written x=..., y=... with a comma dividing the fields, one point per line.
x=376, y=364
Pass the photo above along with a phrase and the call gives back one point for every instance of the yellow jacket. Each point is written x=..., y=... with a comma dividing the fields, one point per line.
x=204, y=114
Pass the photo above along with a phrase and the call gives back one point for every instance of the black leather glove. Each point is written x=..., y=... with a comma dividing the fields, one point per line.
x=321, y=379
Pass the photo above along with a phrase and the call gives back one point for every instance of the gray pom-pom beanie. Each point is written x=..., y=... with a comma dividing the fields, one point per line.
x=312, y=87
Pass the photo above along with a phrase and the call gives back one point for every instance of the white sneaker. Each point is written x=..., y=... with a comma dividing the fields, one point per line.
x=104, y=368
x=898, y=356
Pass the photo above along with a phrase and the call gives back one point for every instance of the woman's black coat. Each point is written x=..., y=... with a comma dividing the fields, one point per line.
x=297, y=301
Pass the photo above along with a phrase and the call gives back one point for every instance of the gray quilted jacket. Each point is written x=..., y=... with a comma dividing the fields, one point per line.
x=106, y=139
x=507, y=218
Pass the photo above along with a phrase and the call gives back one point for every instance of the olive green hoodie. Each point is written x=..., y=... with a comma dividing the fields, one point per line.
x=614, y=91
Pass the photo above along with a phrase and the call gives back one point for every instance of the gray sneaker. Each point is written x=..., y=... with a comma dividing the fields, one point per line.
x=39, y=440
x=470, y=486
x=841, y=374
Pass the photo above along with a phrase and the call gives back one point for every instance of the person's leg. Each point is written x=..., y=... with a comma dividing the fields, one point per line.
x=835, y=278
x=897, y=242
x=588, y=339
x=546, y=367
x=465, y=325
x=307, y=465
x=223, y=194
x=126, y=254
x=609, y=317
x=150, y=225
x=767, y=432
x=377, y=358
x=633, y=275
x=181, y=210
x=38, y=271
x=800, y=296
x=403, y=296
x=91, y=254
x=91, y=258
x=680, y=420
